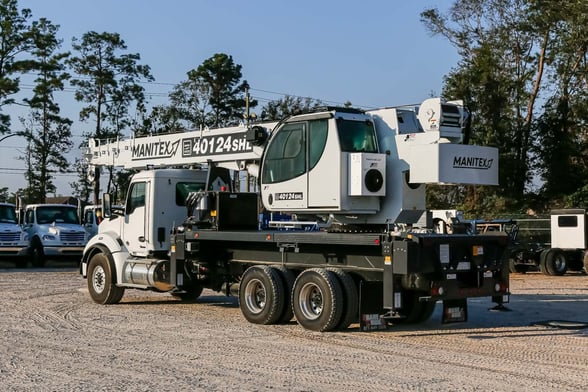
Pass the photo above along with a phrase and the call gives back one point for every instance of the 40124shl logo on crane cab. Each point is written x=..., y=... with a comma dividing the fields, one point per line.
x=215, y=145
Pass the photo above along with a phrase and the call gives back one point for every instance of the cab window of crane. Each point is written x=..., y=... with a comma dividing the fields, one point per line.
x=356, y=136
x=184, y=188
x=317, y=140
x=286, y=155
x=136, y=197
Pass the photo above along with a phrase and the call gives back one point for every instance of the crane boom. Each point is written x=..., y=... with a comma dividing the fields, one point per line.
x=230, y=147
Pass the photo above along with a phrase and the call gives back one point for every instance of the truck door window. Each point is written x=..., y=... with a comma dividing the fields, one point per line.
x=286, y=155
x=567, y=221
x=89, y=218
x=317, y=139
x=136, y=197
x=29, y=216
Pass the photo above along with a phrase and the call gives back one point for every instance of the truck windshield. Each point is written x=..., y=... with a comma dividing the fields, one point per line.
x=357, y=136
x=57, y=214
x=7, y=214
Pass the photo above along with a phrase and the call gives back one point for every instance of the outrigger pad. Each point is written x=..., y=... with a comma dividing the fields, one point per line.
x=455, y=311
x=371, y=306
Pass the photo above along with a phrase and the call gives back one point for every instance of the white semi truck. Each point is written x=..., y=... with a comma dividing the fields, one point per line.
x=54, y=232
x=358, y=245
x=14, y=242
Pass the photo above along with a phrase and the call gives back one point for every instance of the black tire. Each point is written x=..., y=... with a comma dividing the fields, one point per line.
x=288, y=279
x=21, y=262
x=261, y=295
x=414, y=310
x=317, y=300
x=37, y=255
x=542, y=262
x=555, y=262
x=350, y=299
x=101, y=283
x=586, y=262
x=190, y=294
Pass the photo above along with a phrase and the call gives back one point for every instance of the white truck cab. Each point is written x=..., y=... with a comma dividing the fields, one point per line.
x=14, y=242
x=54, y=231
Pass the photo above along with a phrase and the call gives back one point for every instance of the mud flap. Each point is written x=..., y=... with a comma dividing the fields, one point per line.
x=371, y=296
x=455, y=311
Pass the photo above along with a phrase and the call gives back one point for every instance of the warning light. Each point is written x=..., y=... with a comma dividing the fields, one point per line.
x=377, y=241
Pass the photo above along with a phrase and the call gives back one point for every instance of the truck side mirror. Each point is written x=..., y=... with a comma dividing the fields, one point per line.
x=106, y=206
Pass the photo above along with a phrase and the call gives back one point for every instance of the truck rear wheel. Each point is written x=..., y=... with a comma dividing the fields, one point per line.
x=350, y=299
x=101, y=283
x=288, y=283
x=554, y=262
x=261, y=295
x=586, y=262
x=317, y=300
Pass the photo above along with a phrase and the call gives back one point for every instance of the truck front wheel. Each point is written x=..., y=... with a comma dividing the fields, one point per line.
x=317, y=300
x=261, y=295
x=101, y=283
x=37, y=254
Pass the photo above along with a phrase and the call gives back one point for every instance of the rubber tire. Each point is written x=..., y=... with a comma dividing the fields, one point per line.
x=37, y=255
x=317, y=300
x=586, y=262
x=555, y=262
x=542, y=264
x=288, y=279
x=261, y=295
x=190, y=294
x=416, y=311
x=101, y=283
x=350, y=299
x=21, y=262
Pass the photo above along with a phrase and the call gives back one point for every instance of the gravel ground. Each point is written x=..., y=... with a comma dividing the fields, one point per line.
x=54, y=338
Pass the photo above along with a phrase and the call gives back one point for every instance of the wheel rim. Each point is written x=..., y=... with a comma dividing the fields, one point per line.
x=559, y=263
x=311, y=301
x=255, y=297
x=98, y=279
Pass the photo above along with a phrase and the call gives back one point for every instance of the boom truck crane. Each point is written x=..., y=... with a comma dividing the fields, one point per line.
x=358, y=245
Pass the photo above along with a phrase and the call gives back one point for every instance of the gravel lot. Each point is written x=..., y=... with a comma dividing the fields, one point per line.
x=54, y=338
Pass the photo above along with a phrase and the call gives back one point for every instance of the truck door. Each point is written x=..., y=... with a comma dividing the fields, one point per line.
x=284, y=175
x=136, y=224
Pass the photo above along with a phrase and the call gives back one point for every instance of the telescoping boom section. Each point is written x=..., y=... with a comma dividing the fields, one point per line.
x=337, y=234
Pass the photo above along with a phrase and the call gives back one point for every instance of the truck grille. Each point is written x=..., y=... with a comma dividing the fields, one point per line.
x=9, y=237
x=72, y=237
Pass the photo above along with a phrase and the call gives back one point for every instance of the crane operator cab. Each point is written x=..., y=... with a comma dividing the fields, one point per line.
x=322, y=163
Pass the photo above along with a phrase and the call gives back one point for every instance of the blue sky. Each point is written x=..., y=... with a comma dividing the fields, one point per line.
x=373, y=53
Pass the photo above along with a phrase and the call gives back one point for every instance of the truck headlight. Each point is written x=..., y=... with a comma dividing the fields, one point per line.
x=53, y=231
x=48, y=237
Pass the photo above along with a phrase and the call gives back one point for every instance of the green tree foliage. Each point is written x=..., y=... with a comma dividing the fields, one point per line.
x=287, y=106
x=15, y=40
x=217, y=92
x=48, y=134
x=562, y=142
x=500, y=76
x=108, y=82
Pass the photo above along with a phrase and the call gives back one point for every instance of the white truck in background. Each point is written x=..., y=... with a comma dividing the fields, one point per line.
x=569, y=243
x=14, y=242
x=54, y=232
